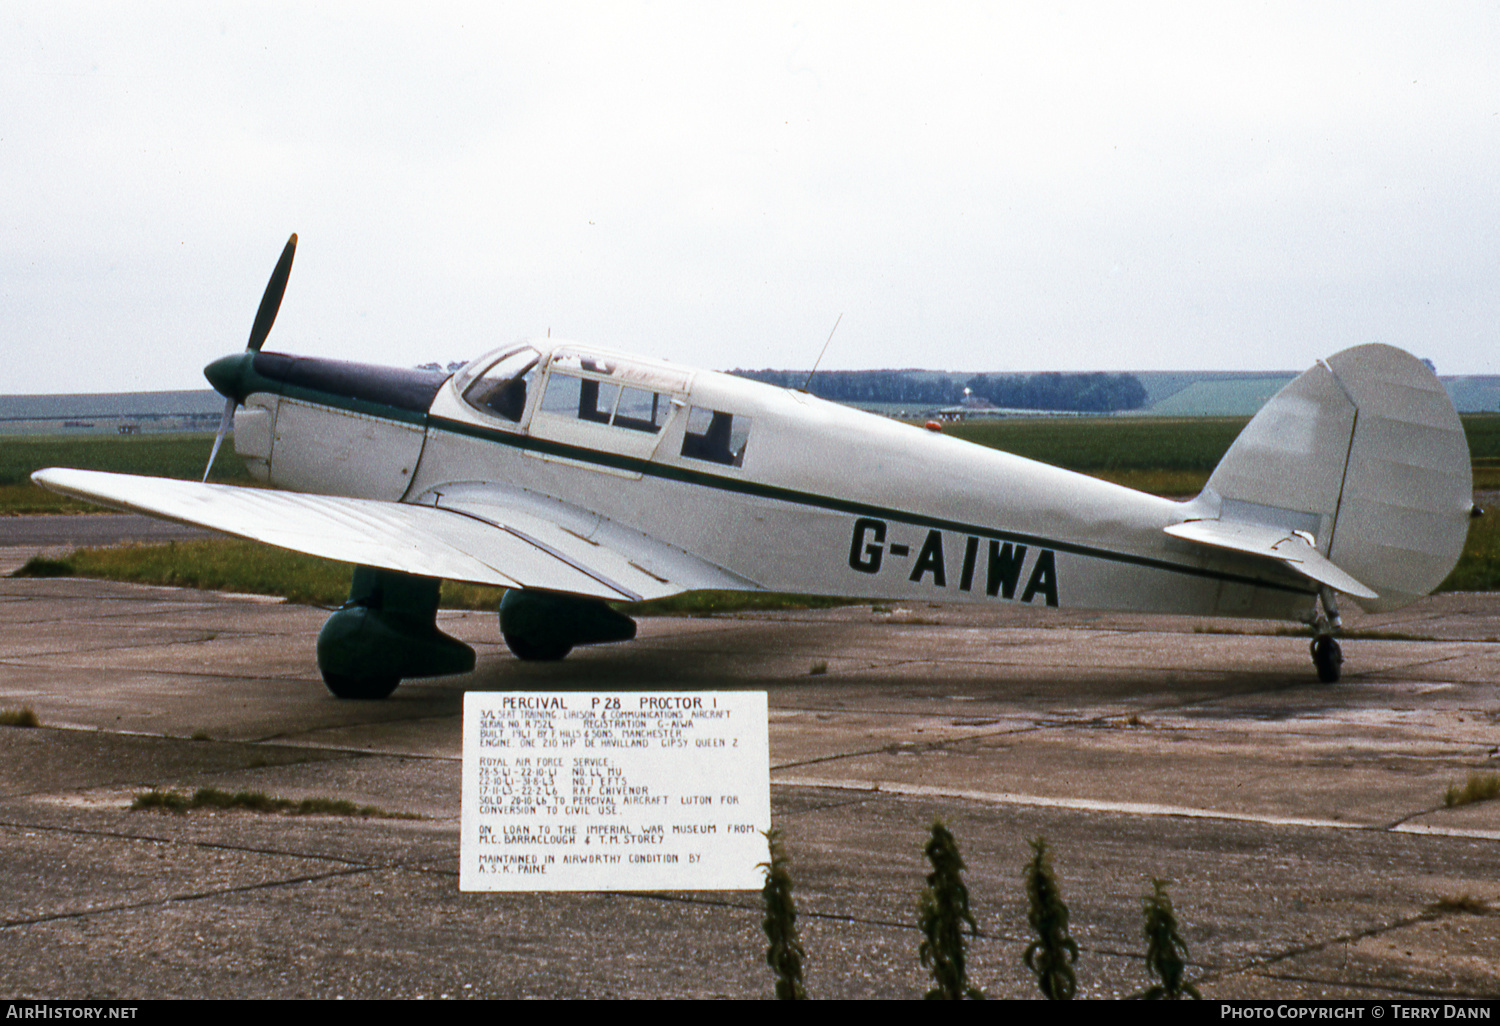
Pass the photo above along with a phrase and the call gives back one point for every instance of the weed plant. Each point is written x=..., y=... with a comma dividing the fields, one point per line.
x=43, y=566
x=22, y=717
x=1166, y=951
x=256, y=801
x=942, y=915
x=784, y=952
x=1459, y=904
x=1480, y=787
x=1052, y=955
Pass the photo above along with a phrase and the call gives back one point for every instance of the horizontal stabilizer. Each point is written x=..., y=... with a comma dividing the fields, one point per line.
x=1278, y=543
x=503, y=545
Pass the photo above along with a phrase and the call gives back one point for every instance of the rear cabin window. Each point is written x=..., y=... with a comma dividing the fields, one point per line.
x=716, y=436
x=640, y=410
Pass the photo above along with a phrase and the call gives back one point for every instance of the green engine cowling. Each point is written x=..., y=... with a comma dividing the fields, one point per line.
x=385, y=632
x=546, y=625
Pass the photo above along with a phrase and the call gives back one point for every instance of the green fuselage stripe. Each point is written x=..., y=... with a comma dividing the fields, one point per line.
x=685, y=475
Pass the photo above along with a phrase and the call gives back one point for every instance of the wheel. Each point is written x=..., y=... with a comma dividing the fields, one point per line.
x=1328, y=658
x=360, y=687
x=536, y=653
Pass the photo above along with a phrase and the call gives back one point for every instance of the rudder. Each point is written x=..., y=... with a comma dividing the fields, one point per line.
x=1365, y=453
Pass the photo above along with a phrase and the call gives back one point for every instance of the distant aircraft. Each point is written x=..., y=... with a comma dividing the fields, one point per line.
x=576, y=477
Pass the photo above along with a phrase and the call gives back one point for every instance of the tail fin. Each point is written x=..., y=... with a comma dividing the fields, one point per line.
x=1365, y=454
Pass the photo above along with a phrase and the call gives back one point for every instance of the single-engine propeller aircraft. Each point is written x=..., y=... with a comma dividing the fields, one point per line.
x=576, y=477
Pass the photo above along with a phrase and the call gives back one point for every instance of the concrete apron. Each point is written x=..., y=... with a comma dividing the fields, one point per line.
x=1302, y=825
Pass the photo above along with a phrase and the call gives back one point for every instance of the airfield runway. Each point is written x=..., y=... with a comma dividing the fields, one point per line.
x=1302, y=826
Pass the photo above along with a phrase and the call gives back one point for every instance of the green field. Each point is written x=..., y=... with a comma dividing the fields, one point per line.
x=1141, y=451
x=227, y=564
x=1170, y=456
x=1165, y=456
x=180, y=455
x=1479, y=567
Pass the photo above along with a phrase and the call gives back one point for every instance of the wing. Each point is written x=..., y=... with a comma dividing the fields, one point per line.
x=476, y=533
x=1277, y=543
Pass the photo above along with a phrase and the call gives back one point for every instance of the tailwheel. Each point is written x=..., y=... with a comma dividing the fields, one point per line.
x=1327, y=657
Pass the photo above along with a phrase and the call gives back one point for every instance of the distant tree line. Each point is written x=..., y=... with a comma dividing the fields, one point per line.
x=1090, y=393
x=1085, y=393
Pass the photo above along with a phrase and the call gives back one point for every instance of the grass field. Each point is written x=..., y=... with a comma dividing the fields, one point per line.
x=1167, y=456
x=1479, y=567
x=227, y=564
x=1164, y=456
x=178, y=455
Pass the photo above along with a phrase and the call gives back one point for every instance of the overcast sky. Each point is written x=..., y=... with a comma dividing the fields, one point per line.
x=985, y=187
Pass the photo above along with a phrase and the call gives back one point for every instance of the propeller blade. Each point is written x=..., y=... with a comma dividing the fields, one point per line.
x=271, y=301
x=224, y=423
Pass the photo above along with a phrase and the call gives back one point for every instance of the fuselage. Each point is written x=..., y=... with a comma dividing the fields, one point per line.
x=785, y=491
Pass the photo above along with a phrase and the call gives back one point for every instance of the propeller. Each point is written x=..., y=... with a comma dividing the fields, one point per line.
x=270, y=303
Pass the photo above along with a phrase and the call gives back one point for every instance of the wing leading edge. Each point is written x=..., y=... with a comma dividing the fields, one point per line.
x=494, y=542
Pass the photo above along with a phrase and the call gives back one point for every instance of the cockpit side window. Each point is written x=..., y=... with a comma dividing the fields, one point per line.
x=583, y=398
x=604, y=402
x=501, y=390
x=716, y=436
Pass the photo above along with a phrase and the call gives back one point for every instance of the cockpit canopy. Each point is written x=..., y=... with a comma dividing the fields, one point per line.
x=600, y=388
x=497, y=383
x=597, y=387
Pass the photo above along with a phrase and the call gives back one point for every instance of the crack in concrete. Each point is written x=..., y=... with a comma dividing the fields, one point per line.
x=175, y=898
x=187, y=842
x=1254, y=966
x=1061, y=723
x=147, y=671
x=1360, y=985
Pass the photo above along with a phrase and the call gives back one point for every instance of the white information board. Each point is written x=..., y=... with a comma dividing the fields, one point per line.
x=609, y=790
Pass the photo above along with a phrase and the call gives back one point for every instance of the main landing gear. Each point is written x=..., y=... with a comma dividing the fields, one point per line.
x=1327, y=657
x=385, y=632
x=544, y=626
